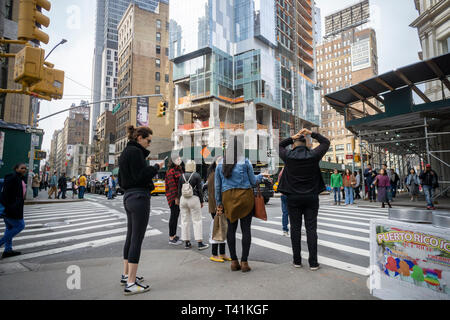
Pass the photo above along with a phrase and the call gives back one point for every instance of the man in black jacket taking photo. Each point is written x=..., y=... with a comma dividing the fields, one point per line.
x=302, y=183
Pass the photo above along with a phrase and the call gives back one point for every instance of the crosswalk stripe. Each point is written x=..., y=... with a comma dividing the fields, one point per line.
x=328, y=225
x=330, y=233
x=70, y=216
x=324, y=243
x=368, y=215
x=354, y=207
x=43, y=215
x=68, y=239
x=50, y=234
x=355, y=212
x=344, y=221
x=342, y=216
x=93, y=244
x=322, y=260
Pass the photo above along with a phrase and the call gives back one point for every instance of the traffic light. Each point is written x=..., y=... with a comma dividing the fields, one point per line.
x=30, y=19
x=28, y=65
x=52, y=84
x=162, y=107
x=39, y=154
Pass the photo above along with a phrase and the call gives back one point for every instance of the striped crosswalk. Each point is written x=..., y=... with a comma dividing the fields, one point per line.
x=343, y=236
x=58, y=228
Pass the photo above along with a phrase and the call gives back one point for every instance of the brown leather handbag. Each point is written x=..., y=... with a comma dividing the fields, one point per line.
x=260, y=206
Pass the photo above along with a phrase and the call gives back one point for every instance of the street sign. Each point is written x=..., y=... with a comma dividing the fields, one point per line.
x=34, y=140
x=349, y=156
x=116, y=108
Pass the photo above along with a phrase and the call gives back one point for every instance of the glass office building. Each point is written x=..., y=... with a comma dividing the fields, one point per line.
x=226, y=62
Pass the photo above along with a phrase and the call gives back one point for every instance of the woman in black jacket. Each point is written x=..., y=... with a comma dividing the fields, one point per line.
x=12, y=199
x=135, y=177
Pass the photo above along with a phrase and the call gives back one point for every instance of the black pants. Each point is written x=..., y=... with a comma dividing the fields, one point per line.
x=173, y=220
x=246, y=237
x=309, y=208
x=137, y=206
x=372, y=193
x=217, y=246
x=63, y=193
x=357, y=195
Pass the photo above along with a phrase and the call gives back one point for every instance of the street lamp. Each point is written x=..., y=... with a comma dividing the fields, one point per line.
x=61, y=42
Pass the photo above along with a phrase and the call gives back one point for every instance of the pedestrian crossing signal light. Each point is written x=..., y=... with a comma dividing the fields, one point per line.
x=162, y=107
x=52, y=84
x=31, y=19
x=28, y=65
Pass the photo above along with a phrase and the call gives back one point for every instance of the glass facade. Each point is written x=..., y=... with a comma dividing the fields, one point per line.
x=308, y=101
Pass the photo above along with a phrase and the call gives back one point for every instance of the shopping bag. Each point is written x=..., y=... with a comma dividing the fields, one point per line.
x=220, y=228
x=260, y=206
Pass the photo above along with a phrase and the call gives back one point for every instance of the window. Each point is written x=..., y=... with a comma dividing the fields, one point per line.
x=158, y=36
x=166, y=78
x=157, y=90
x=158, y=63
x=158, y=49
x=349, y=147
x=167, y=52
x=157, y=76
x=158, y=24
x=340, y=147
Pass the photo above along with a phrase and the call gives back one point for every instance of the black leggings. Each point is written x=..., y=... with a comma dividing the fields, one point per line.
x=137, y=206
x=173, y=220
x=216, y=246
x=246, y=237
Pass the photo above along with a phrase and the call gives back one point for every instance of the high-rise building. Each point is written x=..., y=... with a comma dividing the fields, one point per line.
x=241, y=64
x=54, y=150
x=14, y=108
x=145, y=68
x=433, y=27
x=347, y=55
x=105, y=61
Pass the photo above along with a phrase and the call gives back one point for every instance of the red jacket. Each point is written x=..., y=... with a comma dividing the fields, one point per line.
x=171, y=181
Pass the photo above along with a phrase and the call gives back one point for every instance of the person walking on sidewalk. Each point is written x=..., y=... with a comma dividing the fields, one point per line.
x=302, y=182
x=190, y=194
x=62, y=185
x=74, y=186
x=112, y=187
x=136, y=178
x=349, y=183
x=382, y=182
x=336, y=185
x=217, y=248
x=357, y=187
x=53, y=186
x=234, y=182
x=429, y=181
x=412, y=183
x=35, y=185
x=82, y=186
x=12, y=198
x=284, y=210
x=370, y=176
x=171, y=182
x=394, y=180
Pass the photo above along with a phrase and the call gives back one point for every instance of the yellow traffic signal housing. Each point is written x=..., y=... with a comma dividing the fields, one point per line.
x=52, y=84
x=30, y=18
x=162, y=107
x=28, y=65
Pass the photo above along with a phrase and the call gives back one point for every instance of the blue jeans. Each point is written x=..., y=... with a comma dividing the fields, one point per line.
x=337, y=191
x=284, y=209
x=389, y=193
x=428, y=190
x=110, y=193
x=35, y=192
x=348, y=195
x=13, y=227
x=81, y=192
x=394, y=190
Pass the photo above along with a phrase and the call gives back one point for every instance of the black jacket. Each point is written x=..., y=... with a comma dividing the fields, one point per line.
x=195, y=182
x=301, y=175
x=12, y=196
x=134, y=172
x=429, y=179
x=62, y=183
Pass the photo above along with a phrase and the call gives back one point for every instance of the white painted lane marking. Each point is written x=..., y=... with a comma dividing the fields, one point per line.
x=328, y=244
x=93, y=244
x=322, y=260
x=63, y=217
x=27, y=216
x=327, y=225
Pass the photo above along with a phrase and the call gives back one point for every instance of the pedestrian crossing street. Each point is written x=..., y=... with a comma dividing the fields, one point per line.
x=343, y=236
x=57, y=228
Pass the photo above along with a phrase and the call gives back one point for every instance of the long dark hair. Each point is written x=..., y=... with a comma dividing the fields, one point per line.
x=212, y=166
x=227, y=166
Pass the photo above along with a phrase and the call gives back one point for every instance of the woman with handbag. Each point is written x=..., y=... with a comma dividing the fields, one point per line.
x=234, y=181
x=412, y=183
x=217, y=247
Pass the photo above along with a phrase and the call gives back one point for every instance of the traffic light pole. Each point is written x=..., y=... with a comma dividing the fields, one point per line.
x=29, y=194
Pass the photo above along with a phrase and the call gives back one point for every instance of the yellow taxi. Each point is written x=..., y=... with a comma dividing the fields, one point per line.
x=160, y=186
x=275, y=186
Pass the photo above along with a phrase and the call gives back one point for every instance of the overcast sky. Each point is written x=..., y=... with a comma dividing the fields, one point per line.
x=398, y=45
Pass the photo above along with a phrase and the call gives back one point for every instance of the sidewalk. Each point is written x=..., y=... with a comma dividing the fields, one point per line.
x=42, y=198
x=180, y=275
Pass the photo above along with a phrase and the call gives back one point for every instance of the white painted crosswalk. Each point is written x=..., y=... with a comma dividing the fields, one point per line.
x=343, y=236
x=57, y=228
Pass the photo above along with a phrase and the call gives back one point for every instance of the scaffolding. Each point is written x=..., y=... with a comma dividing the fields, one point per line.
x=402, y=134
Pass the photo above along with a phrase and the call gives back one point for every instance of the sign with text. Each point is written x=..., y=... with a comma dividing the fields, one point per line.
x=361, y=55
x=142, y=111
